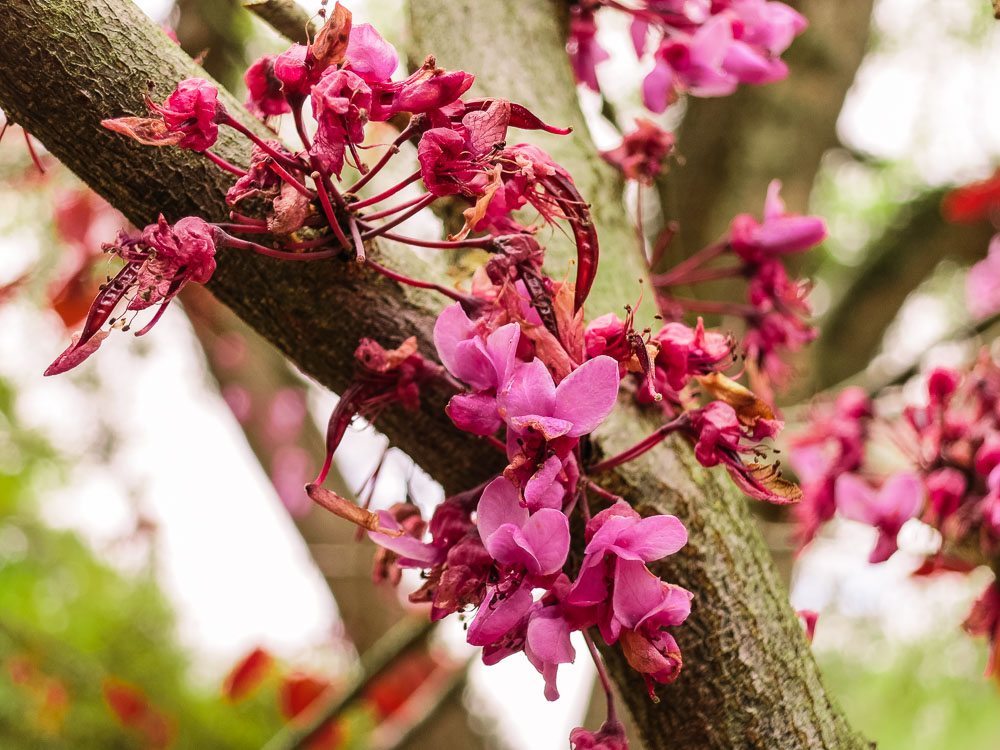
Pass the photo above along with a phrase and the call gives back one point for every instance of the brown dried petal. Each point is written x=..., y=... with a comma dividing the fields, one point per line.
x=330, y=45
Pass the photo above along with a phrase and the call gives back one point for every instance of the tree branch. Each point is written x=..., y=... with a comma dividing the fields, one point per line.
x=749, y=680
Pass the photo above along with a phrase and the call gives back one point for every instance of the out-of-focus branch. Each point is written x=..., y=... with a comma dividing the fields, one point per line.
x=285, y=16
x=898, y=262
x=405, y=637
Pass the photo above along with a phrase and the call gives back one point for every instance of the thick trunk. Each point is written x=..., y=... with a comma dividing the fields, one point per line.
x=749, y=681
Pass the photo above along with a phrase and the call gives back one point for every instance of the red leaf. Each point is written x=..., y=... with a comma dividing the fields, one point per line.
x=973, y=203
x=247, y=675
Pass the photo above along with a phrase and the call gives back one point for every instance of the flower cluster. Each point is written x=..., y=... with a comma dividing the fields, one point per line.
x=298, y=199
x=502, y=548
x=775, y=315
x=950, y=444
x=703, y=48
x=526, y=373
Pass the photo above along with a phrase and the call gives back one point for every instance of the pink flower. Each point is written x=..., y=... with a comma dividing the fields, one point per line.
x=264, y=95
x=719, y=433
x=693, y=62
x=457, y=159
x=188, y=118
x=982, y=284
x=369, y=55
x=158, y=264
x=642, y=152
x=530, y=400
x=619, y=543
x=537, y=542
x=193, y=110
x=484, y=364
x=779, y=234
x=685, y=352
x=341, y=101
x=429, y=88
x=293, y=69
x=771, y=26
x=585, y=53
x=887, y=509
x=611, y=736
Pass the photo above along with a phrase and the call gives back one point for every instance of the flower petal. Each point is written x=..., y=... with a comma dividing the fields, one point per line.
x=587, y=395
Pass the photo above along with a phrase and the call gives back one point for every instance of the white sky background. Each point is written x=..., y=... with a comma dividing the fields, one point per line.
x=229, y=557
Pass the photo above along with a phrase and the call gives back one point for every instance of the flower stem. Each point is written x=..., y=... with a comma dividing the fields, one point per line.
x=386, y=193
x=223, y=164
x=697, y=276
x=285, y=175
x=403, y=279
x=424, y=201
x=389, y=153
x=394, y=209
x=483, y=243
x=238, y=244
x=693, y=261
x=602, y=675
x=647, y=443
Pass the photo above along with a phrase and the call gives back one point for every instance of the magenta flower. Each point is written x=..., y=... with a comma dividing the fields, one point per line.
x=194, y=110
x=537, y=542
x=369, y=55
x=685, y=352
x=547, y=645
x=458, y=160
x=530, y=400
x=693, y=62
x=887, y=509
x=429, y=88
x=719, y=433
x=611, y=736
x=642, y=152
x=158, y=264
x=292, y=68
x=264, y=95
x=585, y=53
x=188, y=118
x=779, y=234
x=982, y=284
x=617, y=537
x=341, y=101
x=483, y=364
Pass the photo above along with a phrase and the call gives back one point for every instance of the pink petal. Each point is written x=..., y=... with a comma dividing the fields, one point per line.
x=451, y=328
x=475, y=413
x=591, y=586
x=530, y=391
x=493, y=622
x=637, y=592
x=74, y=354
x=407, y=547
x=546, y=535
x=774, y=207
x=543, y=490
x=588, y=395
x=654, y=537
x=549, y=427
x=501, y=348
x=369, y=55
x=499, y=505
x=855, y=499
x=673, y=608
x=900, y=498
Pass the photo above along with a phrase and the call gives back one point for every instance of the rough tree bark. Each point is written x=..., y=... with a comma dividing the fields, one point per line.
x=749, y=680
